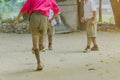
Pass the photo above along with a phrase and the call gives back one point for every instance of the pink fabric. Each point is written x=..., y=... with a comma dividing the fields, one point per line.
x=41, y=6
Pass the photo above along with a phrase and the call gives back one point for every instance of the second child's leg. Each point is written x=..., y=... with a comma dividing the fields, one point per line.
x=88, y=48
x=50, y=37
x=95, y=47
x=89, y=41
x=50, y=42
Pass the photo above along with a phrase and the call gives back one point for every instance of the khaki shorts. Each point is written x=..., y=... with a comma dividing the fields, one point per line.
x=38, y=23
x=91, y=28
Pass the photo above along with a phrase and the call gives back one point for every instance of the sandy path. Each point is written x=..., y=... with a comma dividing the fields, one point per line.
x=65, y=62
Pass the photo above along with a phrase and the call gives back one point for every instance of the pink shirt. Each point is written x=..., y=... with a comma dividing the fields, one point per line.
x=41, y=6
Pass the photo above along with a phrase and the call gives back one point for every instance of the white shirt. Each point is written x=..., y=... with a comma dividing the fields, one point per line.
x=89, y=7
x=51, y=13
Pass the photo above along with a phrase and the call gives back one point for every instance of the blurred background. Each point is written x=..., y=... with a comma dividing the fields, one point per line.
x=71, y=13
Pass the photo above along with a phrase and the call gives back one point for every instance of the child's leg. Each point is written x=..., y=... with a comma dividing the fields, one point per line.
x=50, y=37
x=95, y=47
x=35, y=40
x=50, y=41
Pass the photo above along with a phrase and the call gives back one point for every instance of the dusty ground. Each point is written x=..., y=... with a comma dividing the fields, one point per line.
x=65, y=62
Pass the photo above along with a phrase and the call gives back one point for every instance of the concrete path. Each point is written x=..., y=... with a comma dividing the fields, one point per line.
x=65, y=62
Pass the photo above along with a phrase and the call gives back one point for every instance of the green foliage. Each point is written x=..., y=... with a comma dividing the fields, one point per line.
x=8, y=20
x=60, y=0
x=7, y=0
x=0, y=16
x=21, y=3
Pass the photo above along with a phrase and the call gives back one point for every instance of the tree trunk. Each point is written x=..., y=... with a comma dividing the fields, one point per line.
x=116, y=11
x=100, y=10
x=80, y=14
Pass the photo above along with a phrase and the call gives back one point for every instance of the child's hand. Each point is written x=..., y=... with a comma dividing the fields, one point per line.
x=93, y=22
x=60, y=22
x=15, y=23
x=82, y=19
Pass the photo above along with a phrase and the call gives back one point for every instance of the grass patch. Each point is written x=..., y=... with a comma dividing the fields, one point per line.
x=107, y=19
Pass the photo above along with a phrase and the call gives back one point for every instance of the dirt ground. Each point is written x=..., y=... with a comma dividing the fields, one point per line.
x=65, y=62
